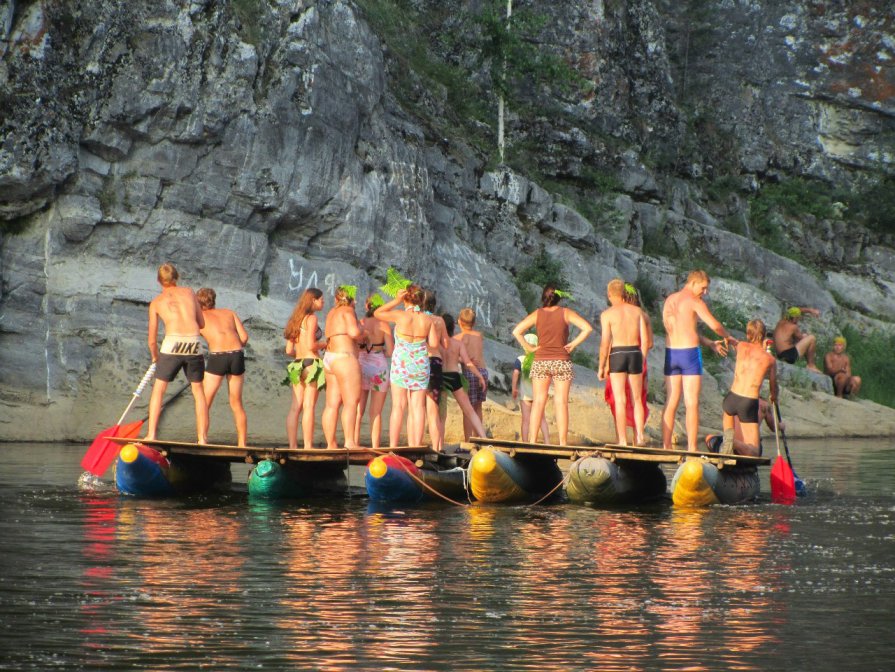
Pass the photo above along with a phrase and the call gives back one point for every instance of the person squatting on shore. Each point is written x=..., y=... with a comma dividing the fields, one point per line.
x=226, y=338
x=409, y=374
x=753, y=365
x=304, y=340
x=343, y=374
x=179, y=311
x=623, y=347
x=683, y=357
x=552, y=361
x=837, y=365
x=373, y=358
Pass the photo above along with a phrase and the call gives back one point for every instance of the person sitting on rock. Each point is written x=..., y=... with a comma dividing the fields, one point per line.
x=790, y=342
x=837, y=365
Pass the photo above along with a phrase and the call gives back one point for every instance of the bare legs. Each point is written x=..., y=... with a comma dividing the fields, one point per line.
x=436, y=425
x=342, y=389
x=807, y=348
x=212, y=383
x=561, y=390
x=376, y=404
x=690, y=387
x=155, y=410
x=476, y=427
x=619, y=382
x=292, y=417
x=525, y=407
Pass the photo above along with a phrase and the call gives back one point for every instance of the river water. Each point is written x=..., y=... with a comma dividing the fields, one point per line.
x=216, y=582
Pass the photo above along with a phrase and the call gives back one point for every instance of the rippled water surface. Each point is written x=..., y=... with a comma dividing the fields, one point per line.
x=216, y=582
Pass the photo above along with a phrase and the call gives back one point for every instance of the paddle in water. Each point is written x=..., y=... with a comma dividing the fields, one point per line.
x=103, y=452
x=801, y=488
x=783, y=485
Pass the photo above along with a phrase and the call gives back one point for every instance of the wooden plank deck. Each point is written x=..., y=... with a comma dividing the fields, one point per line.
x=614, y=452
x=253, y=454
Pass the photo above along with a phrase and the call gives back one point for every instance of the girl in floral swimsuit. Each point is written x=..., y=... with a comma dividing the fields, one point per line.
x=414, y=334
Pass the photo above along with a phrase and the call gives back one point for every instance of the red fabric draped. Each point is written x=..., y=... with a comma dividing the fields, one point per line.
x=629, y=408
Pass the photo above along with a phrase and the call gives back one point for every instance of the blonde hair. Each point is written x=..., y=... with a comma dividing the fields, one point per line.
x=755, y=331
x=342, y=297
x=698, y=275
x=167, y=275
x=616, y=287
x=466, y=317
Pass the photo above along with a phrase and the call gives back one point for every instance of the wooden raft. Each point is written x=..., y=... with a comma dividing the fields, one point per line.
x=254, y=454
x=614, y=452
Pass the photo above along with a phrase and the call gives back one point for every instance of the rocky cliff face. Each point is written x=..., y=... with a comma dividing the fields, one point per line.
x=265, y=147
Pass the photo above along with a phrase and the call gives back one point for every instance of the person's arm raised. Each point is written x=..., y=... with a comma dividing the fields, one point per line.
x=387, y=311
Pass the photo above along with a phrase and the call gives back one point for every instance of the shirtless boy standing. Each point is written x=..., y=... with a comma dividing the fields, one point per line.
x=226, y=338
x=752, y=367
x=683, y=358
x=181, y=314
x=623, y=349
x=474, y=343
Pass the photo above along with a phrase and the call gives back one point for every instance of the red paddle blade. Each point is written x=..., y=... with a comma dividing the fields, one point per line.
x=783, y=482
x=103, y=452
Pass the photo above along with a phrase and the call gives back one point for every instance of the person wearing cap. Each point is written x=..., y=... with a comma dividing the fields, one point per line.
x=523, y=392
x=837, y=365
x=790, y=342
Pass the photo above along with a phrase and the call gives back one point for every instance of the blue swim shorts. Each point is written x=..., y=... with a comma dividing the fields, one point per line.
x=683, y=361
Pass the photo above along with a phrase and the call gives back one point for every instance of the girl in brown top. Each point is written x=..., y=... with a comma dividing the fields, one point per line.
x=343, y=376
x=304, y=339
x=551, y=358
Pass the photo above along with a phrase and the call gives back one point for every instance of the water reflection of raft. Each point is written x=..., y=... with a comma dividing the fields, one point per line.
x=393, y=478
x=158, y=468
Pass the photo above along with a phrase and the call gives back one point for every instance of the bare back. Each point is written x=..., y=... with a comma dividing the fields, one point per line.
x=453, y=355
x=623, y=322
x=752, y=366
x=679, y=318
x=474, y=343
x=786, y=335
x=441, y=335
x=223, y=330
x=342, y=330
x=413, y=326
x=179, y=310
